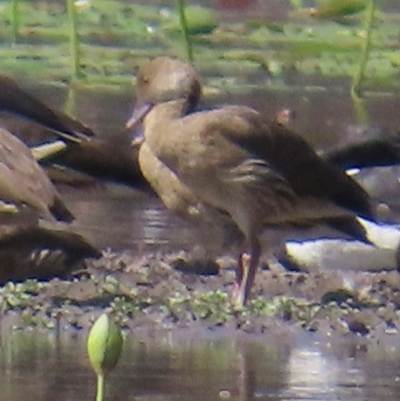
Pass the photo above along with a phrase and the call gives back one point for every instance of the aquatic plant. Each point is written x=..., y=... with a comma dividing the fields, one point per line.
x=104, y=345
x=15, y=20
x=74, y=39
x=118, y=36
x=338, y=10
x=185, y=31
x=18, y=296
x=369, y=17
x=332, y=9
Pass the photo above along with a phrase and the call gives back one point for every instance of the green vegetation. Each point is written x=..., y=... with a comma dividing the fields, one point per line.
x=72, y=303
x=359, y=75
x=331, y=9
x=15, y=20
x=104, y=346
x=185, y=30
x=115, y=37
x=74, y=39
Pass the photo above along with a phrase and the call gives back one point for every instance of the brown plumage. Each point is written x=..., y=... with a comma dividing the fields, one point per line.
x=17, y=101
x=31, y=248
x=175, y=195
x=180, y=199
x=24, y=183
x=32, y=242
x=85, y=151
x=171, y=83
x=370, y=148
x=235, y=160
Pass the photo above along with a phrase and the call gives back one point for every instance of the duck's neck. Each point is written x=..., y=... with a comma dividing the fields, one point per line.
x=160, y=126
x=167, y=111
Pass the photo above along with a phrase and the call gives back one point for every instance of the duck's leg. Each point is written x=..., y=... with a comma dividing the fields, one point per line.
x=245, y=275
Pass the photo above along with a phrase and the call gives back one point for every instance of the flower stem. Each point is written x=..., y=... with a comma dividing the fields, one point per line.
x=100, y=387
x=358, y=77
x=74, y=39
x=15, y=20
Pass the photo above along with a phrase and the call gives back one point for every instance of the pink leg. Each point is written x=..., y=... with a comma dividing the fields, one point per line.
x=245, y=275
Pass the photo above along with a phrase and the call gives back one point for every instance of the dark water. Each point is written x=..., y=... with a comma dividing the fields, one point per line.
x=43, y=367
x=119, y=218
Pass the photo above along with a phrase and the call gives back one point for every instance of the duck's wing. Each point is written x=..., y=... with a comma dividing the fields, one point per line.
x=221, y=155
x=41, y=250
x=290, y=156
x=261, y=196
x=16, y=100
x=375, y=149
x=23, y=182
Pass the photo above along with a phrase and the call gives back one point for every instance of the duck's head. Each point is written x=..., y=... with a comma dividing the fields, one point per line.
x=164, y=79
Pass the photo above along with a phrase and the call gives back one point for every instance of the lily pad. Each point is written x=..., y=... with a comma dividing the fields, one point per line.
x=339, y=8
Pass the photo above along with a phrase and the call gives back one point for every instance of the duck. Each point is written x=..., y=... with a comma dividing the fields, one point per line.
x=174, y=194
x=24, y=184
x=71, y=143
x=37, y=238
x=16, y=100
x=371, y=147
x=32, y=248
x=35, y=223
x=234, y=160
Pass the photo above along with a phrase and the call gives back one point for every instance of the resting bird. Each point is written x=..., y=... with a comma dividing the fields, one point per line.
x=17, y=101
x=81, y=150
x=370, y=148
x=33, y=216
x=23, y=183
x=32, y=241
x=36, y=248
x=236, y=161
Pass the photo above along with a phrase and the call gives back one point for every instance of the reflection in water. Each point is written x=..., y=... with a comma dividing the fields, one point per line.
x=128, y=220
x=52, y=368
x=311, y=372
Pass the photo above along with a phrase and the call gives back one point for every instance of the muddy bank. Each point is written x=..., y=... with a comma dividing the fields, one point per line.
x=147, y=295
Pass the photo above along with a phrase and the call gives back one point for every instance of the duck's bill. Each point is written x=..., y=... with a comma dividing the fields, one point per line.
x=139, y=113
x=137, y=138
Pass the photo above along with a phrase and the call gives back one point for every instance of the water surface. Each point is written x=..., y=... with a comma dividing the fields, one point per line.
x=44, y=367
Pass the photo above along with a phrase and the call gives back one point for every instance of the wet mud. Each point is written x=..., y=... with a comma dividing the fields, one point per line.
x=162, y=291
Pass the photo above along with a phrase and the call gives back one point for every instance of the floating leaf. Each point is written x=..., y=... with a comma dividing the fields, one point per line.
x=339, y=8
